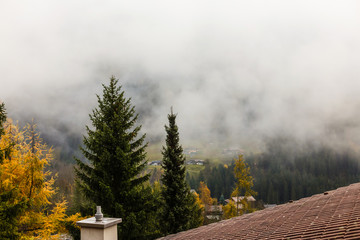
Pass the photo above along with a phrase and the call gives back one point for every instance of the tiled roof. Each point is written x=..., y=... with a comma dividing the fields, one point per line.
x=330, y=215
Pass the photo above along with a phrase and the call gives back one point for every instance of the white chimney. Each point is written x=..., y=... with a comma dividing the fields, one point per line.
x=99, y=228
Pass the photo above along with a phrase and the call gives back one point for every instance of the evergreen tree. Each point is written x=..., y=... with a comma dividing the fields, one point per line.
x=181, y=211
x=2, y=118
x=5, y=150
x=222, y=199
x=117, y=158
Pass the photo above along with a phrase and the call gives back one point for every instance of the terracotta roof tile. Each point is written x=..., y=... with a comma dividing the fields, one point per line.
x=335, y=215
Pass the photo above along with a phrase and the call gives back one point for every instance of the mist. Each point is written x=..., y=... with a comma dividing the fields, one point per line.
x=236, y=72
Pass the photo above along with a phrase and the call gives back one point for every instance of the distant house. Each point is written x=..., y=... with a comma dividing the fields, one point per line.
x=214, y=212
x=155, y=163
x=250, y=199
x=195, y=162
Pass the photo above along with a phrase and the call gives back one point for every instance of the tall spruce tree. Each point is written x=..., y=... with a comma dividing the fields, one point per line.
x=117, y=158
x=181, y=212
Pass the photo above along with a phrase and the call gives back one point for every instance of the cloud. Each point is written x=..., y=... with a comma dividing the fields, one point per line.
x=234, y=71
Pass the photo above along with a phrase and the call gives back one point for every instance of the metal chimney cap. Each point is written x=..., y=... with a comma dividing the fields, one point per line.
x=98, y=215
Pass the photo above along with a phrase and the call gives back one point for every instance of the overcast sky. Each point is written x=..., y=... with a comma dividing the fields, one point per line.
x=233, y=70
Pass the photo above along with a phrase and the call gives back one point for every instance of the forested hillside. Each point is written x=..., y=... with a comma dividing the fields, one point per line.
x=278, y=179
x=284, y=171
x=283, y=174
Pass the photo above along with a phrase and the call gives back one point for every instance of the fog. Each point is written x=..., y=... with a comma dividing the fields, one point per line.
x=236, y=72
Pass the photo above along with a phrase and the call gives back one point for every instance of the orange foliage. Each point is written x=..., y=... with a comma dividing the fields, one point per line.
x=24, y=169
x=205, y=195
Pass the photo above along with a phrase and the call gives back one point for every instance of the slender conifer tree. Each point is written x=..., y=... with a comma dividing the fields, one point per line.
x=2, y=118
x=180, y=209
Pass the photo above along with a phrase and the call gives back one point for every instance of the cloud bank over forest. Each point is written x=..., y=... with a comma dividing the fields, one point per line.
x=234, y=71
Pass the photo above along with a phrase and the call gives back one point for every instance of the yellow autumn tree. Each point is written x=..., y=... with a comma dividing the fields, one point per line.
x=205, y=195
x=198, y=206
x=197, y=200
x=229, y=210
x=24, y=169
x=206, y=200
x=243, y=185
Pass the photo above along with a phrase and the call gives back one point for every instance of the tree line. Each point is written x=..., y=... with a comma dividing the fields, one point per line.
x=280, y=178
x=282, y=174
